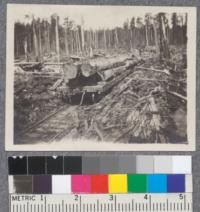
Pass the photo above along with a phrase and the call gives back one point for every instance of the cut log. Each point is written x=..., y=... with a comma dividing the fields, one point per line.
x=56, y=84
x=178, y=95
x=40, y=74
x=92, y=66
x=106, y=75
x=70, y=71
x=37, y=63
x=76, y=58
x=30, y=66
x=87, y=70
x=164, y=71
x=110, y=73
x=18, y=70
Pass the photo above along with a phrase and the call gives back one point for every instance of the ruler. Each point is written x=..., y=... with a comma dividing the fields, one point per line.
x=101, y=203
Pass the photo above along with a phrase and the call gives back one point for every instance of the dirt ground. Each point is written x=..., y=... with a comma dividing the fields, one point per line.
x=33, y=100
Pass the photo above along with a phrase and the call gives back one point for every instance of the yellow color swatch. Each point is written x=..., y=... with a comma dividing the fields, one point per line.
x=117, y=183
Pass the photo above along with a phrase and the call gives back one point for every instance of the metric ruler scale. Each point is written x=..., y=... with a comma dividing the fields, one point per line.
x=101, y=203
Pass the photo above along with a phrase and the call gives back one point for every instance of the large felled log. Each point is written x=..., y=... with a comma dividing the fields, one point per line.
x=178, y=95
x=70, y=71
x=30, y=66
x=87, y=70
x=164, y=71
x=110, y=73
x=56, y=84
x=91, y=67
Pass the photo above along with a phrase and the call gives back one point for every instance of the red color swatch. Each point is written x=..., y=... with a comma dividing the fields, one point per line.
x=99, y=183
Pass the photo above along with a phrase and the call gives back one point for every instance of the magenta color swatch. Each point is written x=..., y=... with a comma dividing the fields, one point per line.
x=80, y=183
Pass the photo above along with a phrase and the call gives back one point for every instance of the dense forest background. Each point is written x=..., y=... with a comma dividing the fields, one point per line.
x=40, y=37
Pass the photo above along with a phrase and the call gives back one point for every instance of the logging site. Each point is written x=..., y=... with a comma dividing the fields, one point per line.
x=80, y=77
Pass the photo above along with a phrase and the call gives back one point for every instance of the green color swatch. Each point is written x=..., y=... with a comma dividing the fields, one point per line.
x=137, y=183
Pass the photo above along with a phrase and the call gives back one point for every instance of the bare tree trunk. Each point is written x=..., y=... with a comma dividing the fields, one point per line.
x=76, y=42
x=57, y=40
x=92, y=39
x=105, y=40
x=48, y=39
x=72, y=43
x=66, y=43
x=96, y=39
x=117, y=40
x=40, y=42
x=16, y=46
x=164, y=48
x=156, y=38
x=146, y=31
x=109, y=39
x=131, y=39
x=90, y=44
x=79, y=41
x=35, y=41
x=163, y=29
x=82, y=35
x=29, y=47
x=25, y=49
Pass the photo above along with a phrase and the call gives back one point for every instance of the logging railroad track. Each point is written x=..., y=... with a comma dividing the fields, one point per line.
x=52, y=127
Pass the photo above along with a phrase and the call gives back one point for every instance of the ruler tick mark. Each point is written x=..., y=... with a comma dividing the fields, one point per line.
x=97, y=205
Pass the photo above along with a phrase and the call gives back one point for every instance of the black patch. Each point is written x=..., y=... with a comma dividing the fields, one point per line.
x=54, y=165
x=17, y=166
x=72, y=165
x=36, y=165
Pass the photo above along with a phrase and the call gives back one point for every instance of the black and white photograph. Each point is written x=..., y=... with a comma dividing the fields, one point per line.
x=100, y=78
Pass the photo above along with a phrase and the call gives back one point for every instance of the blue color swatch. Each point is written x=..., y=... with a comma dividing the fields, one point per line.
x=175, y=183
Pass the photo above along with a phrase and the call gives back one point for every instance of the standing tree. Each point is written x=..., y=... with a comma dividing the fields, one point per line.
x=147, y=25
x=132, y=31
x=35, y=40
x=155, y=29
x=57, y=37
x=164, y=47
x=174, y=28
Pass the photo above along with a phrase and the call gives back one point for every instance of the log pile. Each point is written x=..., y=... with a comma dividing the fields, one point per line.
x=97, y=74
x=97, y=65
x=90, y=67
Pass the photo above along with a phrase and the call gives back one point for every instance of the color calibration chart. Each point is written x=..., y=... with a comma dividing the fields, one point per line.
x=102, y=184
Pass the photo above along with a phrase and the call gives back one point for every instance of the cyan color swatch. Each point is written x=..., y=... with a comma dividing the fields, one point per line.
x=156, y=183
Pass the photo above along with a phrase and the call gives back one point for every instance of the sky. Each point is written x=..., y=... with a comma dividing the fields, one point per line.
x=95, y=17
